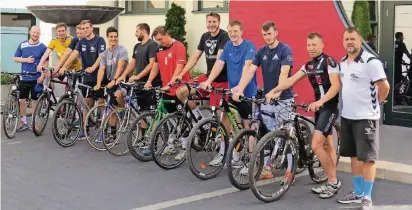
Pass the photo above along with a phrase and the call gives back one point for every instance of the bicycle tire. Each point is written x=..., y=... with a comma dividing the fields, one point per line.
x=131, y=143
x=235, y=142
x=100, y=132
x=196, y=147
x=256, y=152
x=153, y=141
x=109, y=147
x=9, y=103
x=37, y=110
x=54, y=122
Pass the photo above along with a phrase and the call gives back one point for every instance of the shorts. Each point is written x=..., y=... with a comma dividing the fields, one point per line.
x=359, y=138
x=214, y=98
x=324, y=119
x=174, y=106
x=146, y=100
x=274, y=115
x=26, y=88
x=244, y=108
x=91, y=93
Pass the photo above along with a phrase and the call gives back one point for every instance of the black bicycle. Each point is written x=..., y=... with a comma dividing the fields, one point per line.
x=402, y=88
x=287, y=145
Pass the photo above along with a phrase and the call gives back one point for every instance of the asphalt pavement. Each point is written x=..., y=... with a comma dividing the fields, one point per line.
x=39, y=174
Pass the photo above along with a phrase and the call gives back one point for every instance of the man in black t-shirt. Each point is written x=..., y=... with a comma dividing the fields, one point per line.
x=144, y=54
x=400, y=49
x=212, y=43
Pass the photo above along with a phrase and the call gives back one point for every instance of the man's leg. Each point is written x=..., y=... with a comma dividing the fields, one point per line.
x=24, y=88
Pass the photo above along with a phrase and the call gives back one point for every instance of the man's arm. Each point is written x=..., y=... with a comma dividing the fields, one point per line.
x=44, y=57
x=334, y=78
x=72, y=57
x=377, y=75
x=17, y=56
x=121, y=63
x=383, y=90
x=129, y=69
x=153, y=72
x=66, y=54
x=100, y=75
x=152, y=56
x=405, y=50
x=191, y=63
x=289, y=82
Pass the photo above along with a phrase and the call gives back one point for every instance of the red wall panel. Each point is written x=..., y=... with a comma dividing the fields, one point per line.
x=294, y=20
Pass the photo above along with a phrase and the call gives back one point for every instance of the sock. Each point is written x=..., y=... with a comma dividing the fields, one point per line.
x=290, y=160
x=358, y=185
x=23, y=119
x=197, y=113
x=367, y=189
x=184, y=143
x=222, y=148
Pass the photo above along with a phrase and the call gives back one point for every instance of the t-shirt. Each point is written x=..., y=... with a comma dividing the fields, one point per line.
x=235, y=57
x=25, y=50
x=271, y=61
x=168, y=58
x=142, y=54
x=400, y=48
x=110, y=59
x=210, y=45
x=89, y=52
x=73, y=43
x=359, y=91
x=60, y=48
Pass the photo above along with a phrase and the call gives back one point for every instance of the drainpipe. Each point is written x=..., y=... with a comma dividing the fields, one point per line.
x=116, y=20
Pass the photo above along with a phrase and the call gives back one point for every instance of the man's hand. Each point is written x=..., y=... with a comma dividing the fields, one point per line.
x=167, y=87
x=111, y=84
x=29, y=59
x=178, y=77
x=134, y=78
x=62, y=70
x=236, y=93
x=97, y=87
x=148, y=85
x=315, y=106
x=269, y=96
x=121, y=78
x=39, y=68
x=40, y=79
x=90, y=70
x=204, y=85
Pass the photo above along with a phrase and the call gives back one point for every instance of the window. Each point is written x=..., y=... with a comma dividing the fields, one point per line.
x=147, y=6
x=16, y=20
x=206, y=5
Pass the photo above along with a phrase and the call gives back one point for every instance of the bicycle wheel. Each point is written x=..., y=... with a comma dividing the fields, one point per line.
x=239, y=158
x=63, y=125
x=94, y=125
x=115, y=142
x=138, y=137
x=171, y=129
x=11, y=116
x=280, y=148
x=205, y=144
x=41, y=114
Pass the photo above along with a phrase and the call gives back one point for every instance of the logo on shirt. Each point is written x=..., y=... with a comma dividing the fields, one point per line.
x=211, y=44
x=289, y=58
x=102, y=47
x=169, y=55
x=310, y=66
x=111, y=61
x=265, y=58
x=275, y=57
x=92, y=49
x=84, y=47
x=353, y=76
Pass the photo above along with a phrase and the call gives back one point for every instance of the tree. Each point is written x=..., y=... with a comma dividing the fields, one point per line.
x=361, y=18
x=175, y=23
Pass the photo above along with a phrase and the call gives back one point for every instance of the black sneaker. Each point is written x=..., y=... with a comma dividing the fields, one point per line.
x=331, y=189
x=351, y=197
x=366, y=204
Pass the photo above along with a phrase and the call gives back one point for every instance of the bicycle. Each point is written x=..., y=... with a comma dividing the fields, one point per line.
x=174, y=127
x=69, y=111
x=402, y=88
x=11, y=110
x=287, y=139
x=45, y=103
x=214, y=128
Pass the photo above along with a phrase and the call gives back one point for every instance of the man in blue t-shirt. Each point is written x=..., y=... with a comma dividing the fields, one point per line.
x=90, y=48
x=237, y=55
x=29, y=53
x=276, y=61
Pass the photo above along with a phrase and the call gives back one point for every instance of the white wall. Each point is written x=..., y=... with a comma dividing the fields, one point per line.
x=403, y=23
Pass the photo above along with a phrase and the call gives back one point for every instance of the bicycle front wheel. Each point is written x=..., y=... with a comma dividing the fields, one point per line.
x=11, y=116
x=138, y=136
x=64, y=130
x=94, y=125
x=41, y=114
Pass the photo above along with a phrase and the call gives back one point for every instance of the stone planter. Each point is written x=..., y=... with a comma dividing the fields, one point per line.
x=4, y=93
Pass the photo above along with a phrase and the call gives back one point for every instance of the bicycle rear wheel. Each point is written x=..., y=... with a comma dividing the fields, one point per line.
x=11, y=116
x=138, y=137
x=41, y=114
x=63, y=119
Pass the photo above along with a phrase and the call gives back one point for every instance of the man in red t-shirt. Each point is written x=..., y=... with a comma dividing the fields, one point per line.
x=170, y=60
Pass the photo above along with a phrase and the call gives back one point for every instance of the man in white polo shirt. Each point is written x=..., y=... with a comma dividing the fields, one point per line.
x=364, y=88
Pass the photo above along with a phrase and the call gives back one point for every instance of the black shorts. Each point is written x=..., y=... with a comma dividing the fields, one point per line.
x=91, y=93
x=245, y=109
x=174, y=106
x=324, y=119
x=26, y=88
x=359, y=138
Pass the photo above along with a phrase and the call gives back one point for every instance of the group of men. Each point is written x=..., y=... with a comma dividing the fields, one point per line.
x=232, y=63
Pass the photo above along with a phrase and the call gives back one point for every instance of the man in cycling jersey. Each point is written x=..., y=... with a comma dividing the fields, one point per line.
x=59, y=44
x=364, y=88
x=90, y=49
x=276, y=60
x=144, y=54
x=323, y=73
x=69, y=50
x=212, y=43
x=29, y=53
x=238, y=55
x=112, y=64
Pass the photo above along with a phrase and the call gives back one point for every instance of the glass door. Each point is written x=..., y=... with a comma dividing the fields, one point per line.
x=396, y=45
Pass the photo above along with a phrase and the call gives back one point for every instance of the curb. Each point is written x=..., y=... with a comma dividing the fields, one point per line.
x=384, y=170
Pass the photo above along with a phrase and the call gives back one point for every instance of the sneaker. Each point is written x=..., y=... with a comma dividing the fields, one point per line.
x=287, y=178
x=244, y=171
x=319, y=189
x=266, y=173
x=181, y=155
x=331, y=190
x=351, y=197
x=170, y=150
x=147, y=152
x=217, y=160
x=366, y=204
x=82, y=136
x=22, y=127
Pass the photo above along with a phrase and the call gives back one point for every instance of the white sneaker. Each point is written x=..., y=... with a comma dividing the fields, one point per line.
x=244, y=171
x=217, y=160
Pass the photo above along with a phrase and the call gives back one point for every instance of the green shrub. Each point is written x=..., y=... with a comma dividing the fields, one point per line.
x=175, y=23
x=6, y=79
x=361, y=18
